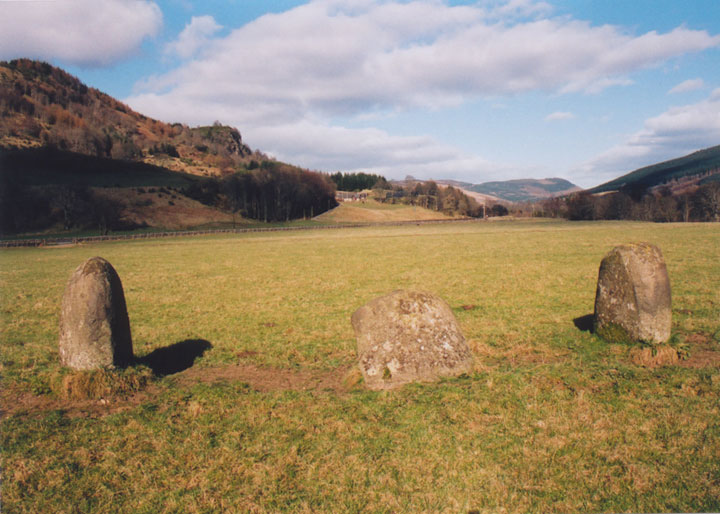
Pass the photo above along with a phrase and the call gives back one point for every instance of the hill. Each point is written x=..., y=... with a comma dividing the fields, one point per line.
x=504, y=192
x=47, y=165
x=410, y=182
x=524, y=190
x=41, y=105
x=455, y=183
x=63, y=144
x=681, y=174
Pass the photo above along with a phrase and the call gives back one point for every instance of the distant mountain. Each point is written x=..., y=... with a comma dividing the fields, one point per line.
x=680, y=175
x=456, y=183
x=524, y=190
x=44, y=106
x=410, y=181
x=505, y=192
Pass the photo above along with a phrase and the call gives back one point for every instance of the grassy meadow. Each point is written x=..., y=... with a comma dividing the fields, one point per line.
x=552, y=420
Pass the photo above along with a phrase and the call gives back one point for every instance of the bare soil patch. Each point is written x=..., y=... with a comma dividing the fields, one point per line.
x=267, y=379
x=16, y=402
x=704, y=352
x=25, y=403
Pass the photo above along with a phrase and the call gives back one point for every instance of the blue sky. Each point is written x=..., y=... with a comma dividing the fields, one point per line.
x=474, y=91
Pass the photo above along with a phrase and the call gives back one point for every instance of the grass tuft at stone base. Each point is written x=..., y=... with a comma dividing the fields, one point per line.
x=100, y=383
x=654, y=357
x=353, y=379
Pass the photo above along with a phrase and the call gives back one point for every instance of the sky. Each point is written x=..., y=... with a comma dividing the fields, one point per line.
x=475, y=91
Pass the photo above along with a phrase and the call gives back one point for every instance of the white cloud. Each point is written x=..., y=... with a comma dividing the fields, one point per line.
x=286, y=77
x=332, y=59
x=559, y=116
x=688, y=85
x=195, y=35
x=81, y=32
x=674, y=133
x=369, y=150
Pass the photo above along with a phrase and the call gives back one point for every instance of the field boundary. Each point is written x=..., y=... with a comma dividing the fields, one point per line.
x=63, y=241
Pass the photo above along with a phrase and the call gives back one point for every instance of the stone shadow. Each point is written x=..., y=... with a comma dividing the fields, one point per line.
x=585, y=323
x=175, y=358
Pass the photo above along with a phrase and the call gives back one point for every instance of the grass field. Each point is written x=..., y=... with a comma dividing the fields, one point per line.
x=552, y=420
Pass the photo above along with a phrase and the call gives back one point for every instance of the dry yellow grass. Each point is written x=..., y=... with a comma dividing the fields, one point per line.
x=165, y=210
x=374, y=212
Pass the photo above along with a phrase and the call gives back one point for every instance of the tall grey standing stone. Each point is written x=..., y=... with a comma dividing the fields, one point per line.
x=94, y=324
x=409, y=336
x=633, y=302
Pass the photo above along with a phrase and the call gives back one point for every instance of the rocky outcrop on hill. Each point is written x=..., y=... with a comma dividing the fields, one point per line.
x=41, y=105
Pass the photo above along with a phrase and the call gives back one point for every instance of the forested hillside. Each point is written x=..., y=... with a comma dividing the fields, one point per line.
x=62, y=142
x=690, y=170
x=41, y=105
x=683, y=189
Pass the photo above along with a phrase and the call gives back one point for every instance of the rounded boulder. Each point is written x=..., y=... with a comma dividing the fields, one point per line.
x=633, y=301
x=409, y=336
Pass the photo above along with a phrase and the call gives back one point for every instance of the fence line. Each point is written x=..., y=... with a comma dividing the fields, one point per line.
x=57, y=241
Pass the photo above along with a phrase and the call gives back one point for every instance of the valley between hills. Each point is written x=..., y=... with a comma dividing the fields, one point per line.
x=77, y=161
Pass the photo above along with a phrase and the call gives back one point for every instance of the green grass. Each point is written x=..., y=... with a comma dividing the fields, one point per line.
x=553, y=419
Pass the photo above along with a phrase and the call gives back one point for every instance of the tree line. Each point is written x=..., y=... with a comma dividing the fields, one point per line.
x=659, y=205
x=430, y=195
x=25, y=209
x=357, y=181
x=271, y=192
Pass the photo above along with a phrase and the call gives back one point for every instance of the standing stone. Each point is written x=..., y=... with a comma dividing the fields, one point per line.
x=632, y=302
x=94, y=324
x=407, y=337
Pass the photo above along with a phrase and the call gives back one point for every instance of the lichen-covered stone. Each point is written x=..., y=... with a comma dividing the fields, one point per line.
x=633, y=301
x=94, y=324
x=409, y=336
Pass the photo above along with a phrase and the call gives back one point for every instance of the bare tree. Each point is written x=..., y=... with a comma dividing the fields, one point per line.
x=707, y=200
